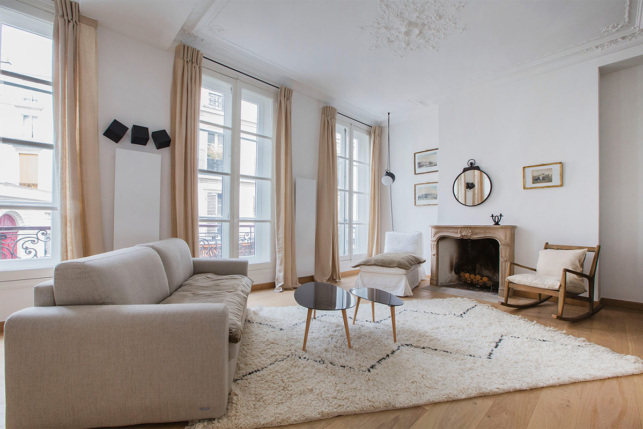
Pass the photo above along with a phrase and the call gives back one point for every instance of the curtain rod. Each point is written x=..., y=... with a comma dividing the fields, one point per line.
x=273, y=85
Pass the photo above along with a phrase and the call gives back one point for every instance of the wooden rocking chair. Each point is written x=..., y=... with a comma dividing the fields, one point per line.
x=549, y=285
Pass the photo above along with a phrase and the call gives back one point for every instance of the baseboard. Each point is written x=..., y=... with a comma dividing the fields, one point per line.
x=623, y=304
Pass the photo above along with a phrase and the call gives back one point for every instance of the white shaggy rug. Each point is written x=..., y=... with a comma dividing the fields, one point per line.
x=446, y=349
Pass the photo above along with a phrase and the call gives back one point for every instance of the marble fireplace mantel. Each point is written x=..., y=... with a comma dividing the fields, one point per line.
x=504, y=234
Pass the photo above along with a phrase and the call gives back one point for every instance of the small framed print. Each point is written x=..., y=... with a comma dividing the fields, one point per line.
x=426, y=194
x=542, y=176
x=425, y=161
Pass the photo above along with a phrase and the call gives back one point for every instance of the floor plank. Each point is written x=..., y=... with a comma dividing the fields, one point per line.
x=466, y=413
x=557, y=407
x=609, y=403
x=511, y=410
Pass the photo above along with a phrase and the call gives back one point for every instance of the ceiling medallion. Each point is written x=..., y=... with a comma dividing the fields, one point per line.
x=406, y=26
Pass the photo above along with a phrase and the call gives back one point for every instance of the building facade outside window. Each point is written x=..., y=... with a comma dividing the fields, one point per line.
x=235, y=170
x=353, y=195
x=28, y=194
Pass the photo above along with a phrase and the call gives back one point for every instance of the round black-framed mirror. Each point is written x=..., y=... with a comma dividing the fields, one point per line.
x=473, y=186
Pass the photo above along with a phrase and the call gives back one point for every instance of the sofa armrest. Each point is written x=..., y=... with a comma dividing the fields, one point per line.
x=43, y=294
x=115, y=365
x=222, y=267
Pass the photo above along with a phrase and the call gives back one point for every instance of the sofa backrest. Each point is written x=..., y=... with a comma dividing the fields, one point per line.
x=176, y=258
x=134, y=275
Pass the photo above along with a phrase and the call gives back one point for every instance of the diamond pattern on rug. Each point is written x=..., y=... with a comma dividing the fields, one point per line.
x=447, y=349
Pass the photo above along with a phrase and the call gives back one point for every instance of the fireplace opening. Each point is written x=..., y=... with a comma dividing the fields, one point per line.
x=469, y=263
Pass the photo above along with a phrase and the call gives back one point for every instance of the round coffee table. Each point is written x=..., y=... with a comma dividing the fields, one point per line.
x=379, y=296
x=324, y=297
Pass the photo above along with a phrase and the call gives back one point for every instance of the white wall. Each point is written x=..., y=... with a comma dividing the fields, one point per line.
x=621, y=184
x=410, y=135
x=548, y=118
x=134, y=81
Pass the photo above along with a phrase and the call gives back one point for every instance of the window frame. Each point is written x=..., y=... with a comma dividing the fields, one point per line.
x=235, y=176
x=351, y=126
x=40, y=26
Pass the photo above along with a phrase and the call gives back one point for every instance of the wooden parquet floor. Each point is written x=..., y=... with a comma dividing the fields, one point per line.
x=612, y=403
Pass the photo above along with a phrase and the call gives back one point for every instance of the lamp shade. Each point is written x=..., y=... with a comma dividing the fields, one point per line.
x=388, y=178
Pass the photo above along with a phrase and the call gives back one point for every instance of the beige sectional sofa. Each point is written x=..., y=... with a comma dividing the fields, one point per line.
x=99, y=348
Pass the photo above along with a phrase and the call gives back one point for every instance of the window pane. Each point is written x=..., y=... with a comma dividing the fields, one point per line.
x=214, y=149
x=254, y=241
x=342, y=231
x=342, y=206
x=214, y=239
x=255, y=156
x=360, y=208
x=255, y=199
x=342, y=173
x=361, y=146
x=25, y=174
x=361, y=177
x=216, y=101
x=26, y=114
x=341, y=136
x=360, y=239
x=256, y=113
x=25, y=234
x=26, y=53
x=214, y=196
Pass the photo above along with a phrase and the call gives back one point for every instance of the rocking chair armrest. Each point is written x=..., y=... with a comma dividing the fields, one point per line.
x=567, y=270
x=521, y=266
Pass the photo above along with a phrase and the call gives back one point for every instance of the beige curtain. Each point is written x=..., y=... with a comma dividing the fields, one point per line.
x=286, y=268
x=326, y=240
x=75, y=97
x=184, y=131
x=374, y=220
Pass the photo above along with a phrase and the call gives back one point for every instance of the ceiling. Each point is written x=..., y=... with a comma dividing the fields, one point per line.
x=369, y=57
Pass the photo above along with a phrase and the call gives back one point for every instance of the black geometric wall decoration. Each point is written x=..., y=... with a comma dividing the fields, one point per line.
x=140, y=135
x=115, y=131
x=161, y=139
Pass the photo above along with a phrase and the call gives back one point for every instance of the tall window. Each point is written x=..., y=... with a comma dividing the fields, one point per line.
x=353, y=183
x=235, y=170
x=28, y=199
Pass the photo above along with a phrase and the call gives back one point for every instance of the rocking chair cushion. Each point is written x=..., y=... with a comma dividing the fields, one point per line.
x=545, y=282
x=552, y=262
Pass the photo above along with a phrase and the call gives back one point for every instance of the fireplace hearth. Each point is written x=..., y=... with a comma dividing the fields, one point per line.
x=472, y=255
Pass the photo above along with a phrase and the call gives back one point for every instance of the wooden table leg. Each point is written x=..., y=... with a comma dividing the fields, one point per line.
x=314, y=314
x=348, y=336
x=356, y=308
x=393, y=322
x=373, y=309
x=310, y=312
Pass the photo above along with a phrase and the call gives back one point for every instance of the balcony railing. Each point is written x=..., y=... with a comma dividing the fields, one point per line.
x=211, y=241
x=25, y=242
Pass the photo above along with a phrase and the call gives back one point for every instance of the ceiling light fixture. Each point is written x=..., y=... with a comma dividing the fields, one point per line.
x=406, y=26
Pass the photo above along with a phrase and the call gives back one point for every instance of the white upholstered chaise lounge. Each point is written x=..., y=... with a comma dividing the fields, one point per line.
x=396, y=281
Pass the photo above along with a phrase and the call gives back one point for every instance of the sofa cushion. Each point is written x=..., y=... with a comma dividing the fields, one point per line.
x=552, y=261
x=232, y=290
x=133, y=275
x=176, y=258
x=545, y=282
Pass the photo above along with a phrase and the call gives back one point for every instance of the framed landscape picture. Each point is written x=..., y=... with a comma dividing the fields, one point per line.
x=426, y=194
x=542, y=176
x=425, y=161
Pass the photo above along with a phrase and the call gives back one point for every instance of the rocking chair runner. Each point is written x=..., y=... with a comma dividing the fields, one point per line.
x=550, y=286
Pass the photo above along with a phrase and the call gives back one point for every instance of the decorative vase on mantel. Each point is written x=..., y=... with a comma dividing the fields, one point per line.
x=496, y=218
